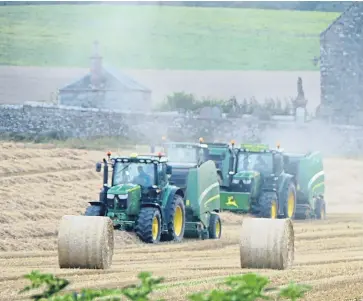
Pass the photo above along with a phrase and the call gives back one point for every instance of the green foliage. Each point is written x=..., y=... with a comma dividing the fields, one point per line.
x=294, y=291
x=181, y=101
x=247, y=287
x=162, y=37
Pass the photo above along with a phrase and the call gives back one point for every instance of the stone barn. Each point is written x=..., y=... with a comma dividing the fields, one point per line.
x=341, y=67
x=105, y=87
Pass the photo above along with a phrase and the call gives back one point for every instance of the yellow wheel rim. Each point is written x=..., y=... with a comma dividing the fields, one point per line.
x=273, y=210
x=290, y=205
x=218, y=228
x=178, y=221
x=155, y=228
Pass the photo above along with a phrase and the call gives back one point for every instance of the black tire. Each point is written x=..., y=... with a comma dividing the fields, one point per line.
x=215, y=227
x=290, y=189
x=94, y=210
x=266, y=202
x=144, y=225
x=170, y=210
x=320, y=209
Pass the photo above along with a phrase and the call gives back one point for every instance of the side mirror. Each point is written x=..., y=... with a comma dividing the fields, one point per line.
x=169, y=170
x=98, y=166
x=231, y=173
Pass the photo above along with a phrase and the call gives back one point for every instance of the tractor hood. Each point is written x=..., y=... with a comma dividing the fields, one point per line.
x=123, y=189
x=247, y=181
x=124, y=197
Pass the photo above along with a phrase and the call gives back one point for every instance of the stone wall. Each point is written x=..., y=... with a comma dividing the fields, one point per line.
x=149, y=128
x=341, y=65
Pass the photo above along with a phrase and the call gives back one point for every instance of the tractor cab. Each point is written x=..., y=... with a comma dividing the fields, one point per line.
x=182, y=157
x=133, y=178
x=257, y=165
x=224, y=157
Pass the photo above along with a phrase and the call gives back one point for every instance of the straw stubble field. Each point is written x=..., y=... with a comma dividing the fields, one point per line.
x=40, y=184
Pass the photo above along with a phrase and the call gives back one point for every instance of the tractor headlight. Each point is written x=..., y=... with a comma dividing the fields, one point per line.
x=110, y=196
x=235, y=181
x=122, y=196
x=246, y=181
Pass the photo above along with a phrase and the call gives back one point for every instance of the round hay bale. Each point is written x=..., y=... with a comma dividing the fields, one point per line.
x=85, y=242
x=267, y=243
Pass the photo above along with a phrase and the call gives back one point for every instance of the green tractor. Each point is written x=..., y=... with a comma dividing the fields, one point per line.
x=184, y=155
x=141, y=199
x=225, y=158
x=272, y=184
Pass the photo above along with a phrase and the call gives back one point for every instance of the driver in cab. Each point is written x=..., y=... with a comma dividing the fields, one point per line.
x=142, y=179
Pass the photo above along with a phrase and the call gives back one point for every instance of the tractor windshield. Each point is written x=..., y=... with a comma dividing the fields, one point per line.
x=142, y=174
x=182, y=154
x=261, y=162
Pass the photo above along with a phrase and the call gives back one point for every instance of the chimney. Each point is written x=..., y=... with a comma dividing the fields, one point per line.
x=96, y=66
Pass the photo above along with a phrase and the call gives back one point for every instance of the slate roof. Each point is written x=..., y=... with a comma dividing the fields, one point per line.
x=126, y=81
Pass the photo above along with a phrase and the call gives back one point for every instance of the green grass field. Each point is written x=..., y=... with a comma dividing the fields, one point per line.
x=152, y=37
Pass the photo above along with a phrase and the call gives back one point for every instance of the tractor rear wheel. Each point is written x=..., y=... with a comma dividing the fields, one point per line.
x=175, y=214
x=215, y=227
x=289, y=197
x=268, y=207
x=320, y=212
x=148, y=225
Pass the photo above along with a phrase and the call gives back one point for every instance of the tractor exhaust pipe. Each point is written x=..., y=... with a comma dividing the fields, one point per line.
x=105, y=172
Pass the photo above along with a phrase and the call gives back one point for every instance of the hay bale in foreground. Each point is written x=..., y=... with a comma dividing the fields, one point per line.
x=267, y=243
x=85, y=242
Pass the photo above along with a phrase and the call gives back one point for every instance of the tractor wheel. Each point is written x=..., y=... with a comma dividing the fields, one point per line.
x=215, y=227
x=94, y=210
x=175, y=214
x=268, y=207
x=85, y=242
x=148, y=225
x=320, y=209
x=289, y=197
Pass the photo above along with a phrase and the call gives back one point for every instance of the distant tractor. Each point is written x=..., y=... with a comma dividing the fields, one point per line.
x=139, y=198
x=271, y=184
x=184, y=155
x=225, y=159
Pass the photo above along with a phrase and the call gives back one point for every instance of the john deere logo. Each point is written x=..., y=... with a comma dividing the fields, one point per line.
x=231, y=202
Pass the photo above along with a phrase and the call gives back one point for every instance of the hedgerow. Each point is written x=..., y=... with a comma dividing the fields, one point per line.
x=246, y=287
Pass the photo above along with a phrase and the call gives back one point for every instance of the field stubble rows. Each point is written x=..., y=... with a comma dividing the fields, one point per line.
x=39, y=185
